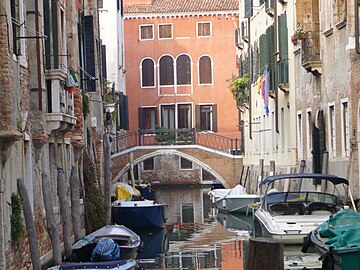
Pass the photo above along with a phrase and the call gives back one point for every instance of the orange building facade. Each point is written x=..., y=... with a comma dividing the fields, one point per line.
x=179, y=56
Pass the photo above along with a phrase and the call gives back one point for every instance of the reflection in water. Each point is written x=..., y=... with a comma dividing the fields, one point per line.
x=198, y=237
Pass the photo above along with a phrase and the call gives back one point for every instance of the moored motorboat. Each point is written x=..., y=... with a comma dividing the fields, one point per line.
x=234, y=200
x=132, y=210
x=289, y=215
x=337, y=241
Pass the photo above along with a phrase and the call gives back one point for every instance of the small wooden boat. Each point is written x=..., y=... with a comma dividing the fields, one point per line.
x=111, y=247
x=337, y=240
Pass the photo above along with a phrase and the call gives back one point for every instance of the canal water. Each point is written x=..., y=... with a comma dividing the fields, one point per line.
x=199, y=237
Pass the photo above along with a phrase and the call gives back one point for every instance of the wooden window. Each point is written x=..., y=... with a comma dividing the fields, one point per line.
x=205, y=70
x=149, y=164
x=166, y=70
x=345, y=128
x=332, y=130
x=184, y=116
x=146, y=32
x=204, y=29
x=89, y=58
x=206, y=117
x=185, y=164
x=15, y=18
x=147, y=73
x=183, y=70
x=165, y=31
x=147, y=118
x=299, y=135
x=168, y=116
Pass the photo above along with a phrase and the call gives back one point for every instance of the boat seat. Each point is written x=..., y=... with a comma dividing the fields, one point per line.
x=297, y=208
x=320, y=208
x=277, y=209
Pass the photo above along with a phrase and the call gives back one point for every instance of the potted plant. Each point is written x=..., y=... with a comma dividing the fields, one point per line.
x=239, y=87
x=299, y=34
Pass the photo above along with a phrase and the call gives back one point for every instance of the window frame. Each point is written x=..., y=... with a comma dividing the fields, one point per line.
x=140, y=32
x=345, y=128
x=145, y=117
x=141, y=73
x=176, y=70
x=309, y=132
x=172, y=31
x=213, y=117
x=173, y=69
x=299, y=134
x=211, y=70
x=197, y=29
x=332, y=129
x=151, y=159
x=185, y=168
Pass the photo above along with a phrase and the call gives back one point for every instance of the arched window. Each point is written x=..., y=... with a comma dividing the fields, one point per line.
x=166, y=70
x=147, y=73
x=183, y=70
x=205, y=70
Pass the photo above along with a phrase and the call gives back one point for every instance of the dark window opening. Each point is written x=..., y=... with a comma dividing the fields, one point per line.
x=183, y=70
x=166, y=70
x=185, y=164
x=149, y=164
x=147, y=73
x=205, y=70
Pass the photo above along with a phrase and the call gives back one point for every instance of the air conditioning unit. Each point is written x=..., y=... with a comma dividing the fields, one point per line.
x=269, y=7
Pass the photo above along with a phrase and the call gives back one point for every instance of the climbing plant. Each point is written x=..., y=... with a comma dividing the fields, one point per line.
x=16, y=219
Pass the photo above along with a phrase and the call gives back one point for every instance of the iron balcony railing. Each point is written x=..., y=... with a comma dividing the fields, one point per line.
x=175, y=137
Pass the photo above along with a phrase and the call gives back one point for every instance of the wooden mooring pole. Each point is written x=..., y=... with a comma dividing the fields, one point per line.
x=265, y=254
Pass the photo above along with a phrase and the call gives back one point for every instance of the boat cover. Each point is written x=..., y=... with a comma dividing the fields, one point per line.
x=342, y=230
x=106, y=250
x=124, y=191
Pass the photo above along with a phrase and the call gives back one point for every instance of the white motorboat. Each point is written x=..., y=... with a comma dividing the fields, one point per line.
x=234, y=200
x=290, y=215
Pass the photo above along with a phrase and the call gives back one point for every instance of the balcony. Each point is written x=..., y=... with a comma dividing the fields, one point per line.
x=60, y=103
x=311, y=53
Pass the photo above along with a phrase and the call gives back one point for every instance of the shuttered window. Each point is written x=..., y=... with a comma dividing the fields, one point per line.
x=183, y=70
x=124, y=112
x=204, y=29
x=89, y=57
x=166, y=70
x=248, y=8
x=267, y=54
x=283, y=50
x=205, y=70
x=184, y=116
x=146, y=32
x=165, y=31
x=147, y=73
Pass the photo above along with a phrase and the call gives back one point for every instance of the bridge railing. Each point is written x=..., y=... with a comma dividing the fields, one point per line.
x=175, y=137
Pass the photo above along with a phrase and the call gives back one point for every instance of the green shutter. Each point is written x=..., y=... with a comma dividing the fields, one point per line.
x=283, y=50
x=214, y=118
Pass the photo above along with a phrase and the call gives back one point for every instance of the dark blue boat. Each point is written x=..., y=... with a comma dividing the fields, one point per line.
x=143, y=214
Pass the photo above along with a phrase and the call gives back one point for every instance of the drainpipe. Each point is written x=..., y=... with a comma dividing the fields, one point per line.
x=249, y=84
x=276, y=70
x=38, y=55
x=357, y=25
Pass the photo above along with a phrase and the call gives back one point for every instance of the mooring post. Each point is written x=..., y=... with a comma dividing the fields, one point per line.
x=265, y=254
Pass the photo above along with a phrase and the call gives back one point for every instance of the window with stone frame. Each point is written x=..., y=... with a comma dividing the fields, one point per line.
x=147, y=32
x=165, y=31
x=183, y=70
x=340, y=13
x=147, y=118
x=205, y=70
x=16, y=20
x=147, y=73
x=185, y=164
x=203, y=29
x=149, y=164
x=166, y=69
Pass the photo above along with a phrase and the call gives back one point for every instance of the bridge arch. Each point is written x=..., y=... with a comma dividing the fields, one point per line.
x=169, y=152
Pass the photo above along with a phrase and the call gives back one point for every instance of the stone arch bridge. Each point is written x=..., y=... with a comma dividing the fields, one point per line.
x=226, y=168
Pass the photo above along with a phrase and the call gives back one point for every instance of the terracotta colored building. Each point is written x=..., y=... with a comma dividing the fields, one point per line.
x=179, y=56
